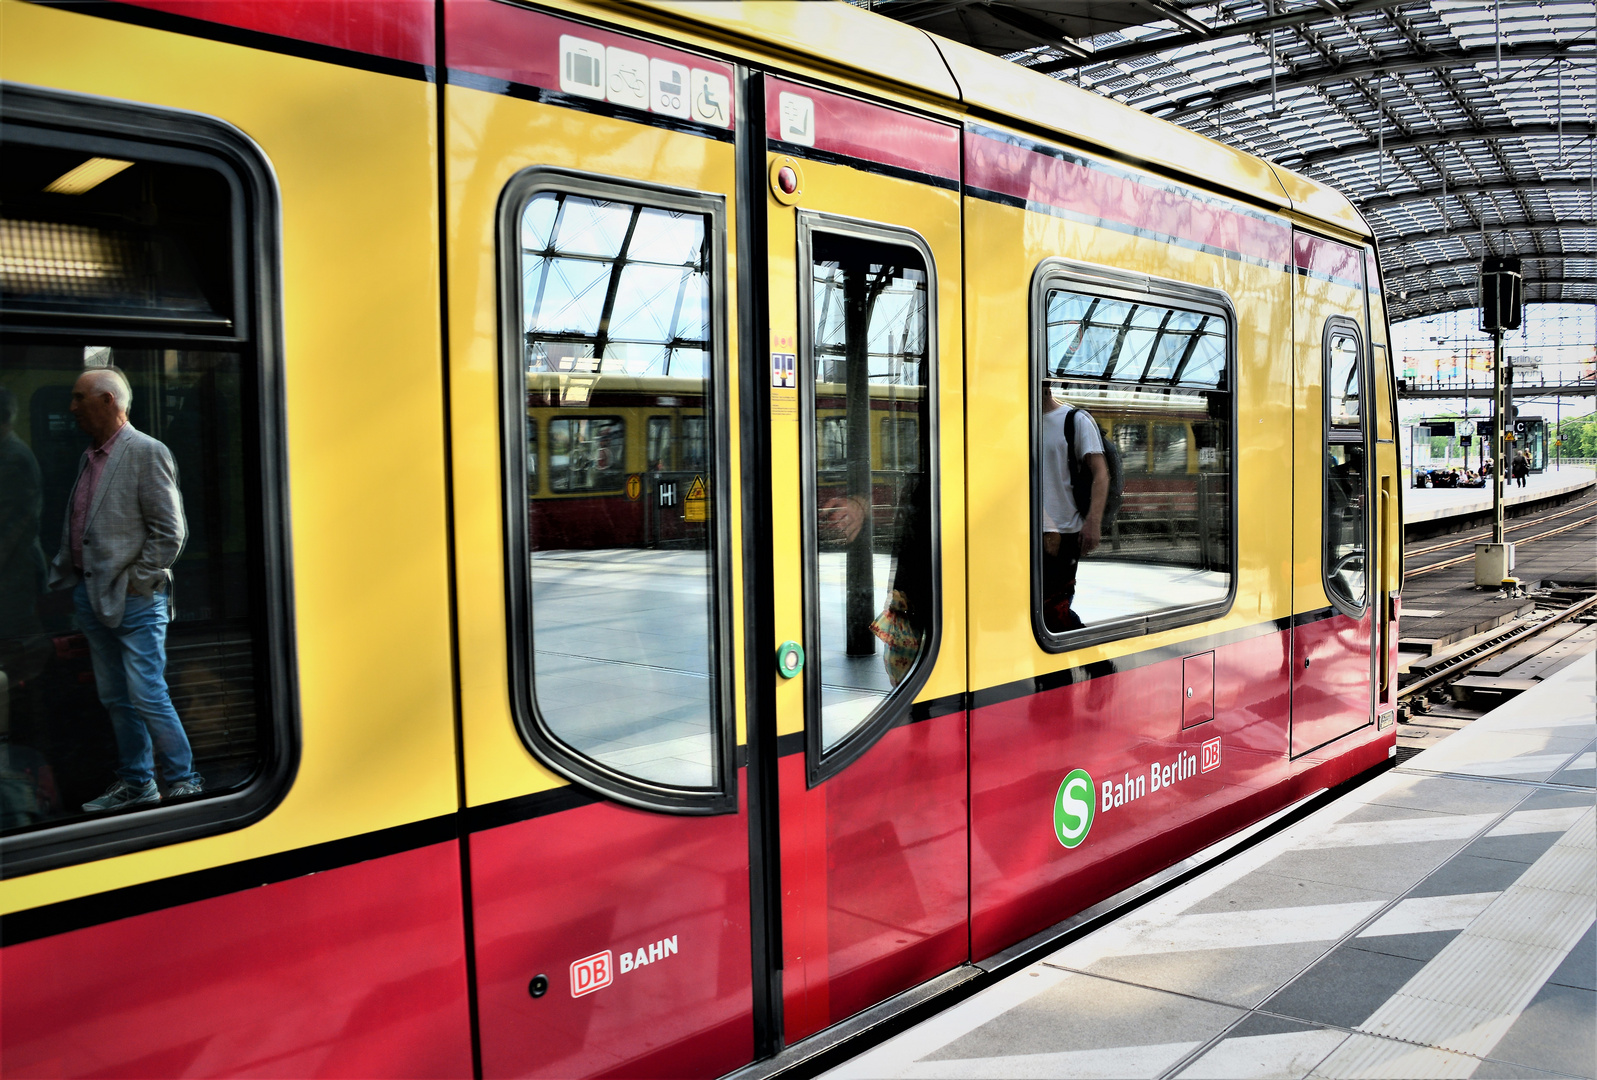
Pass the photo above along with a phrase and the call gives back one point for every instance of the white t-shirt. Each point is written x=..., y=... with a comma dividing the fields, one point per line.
x=1059, y=511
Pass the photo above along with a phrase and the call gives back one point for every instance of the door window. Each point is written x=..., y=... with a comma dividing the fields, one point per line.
x=616, y=583
x=871, y=596
x=1345, y=519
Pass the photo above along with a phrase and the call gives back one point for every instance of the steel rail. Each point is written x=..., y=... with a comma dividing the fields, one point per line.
x=1445, y=563
x=1464, y=661
x=1512, y=528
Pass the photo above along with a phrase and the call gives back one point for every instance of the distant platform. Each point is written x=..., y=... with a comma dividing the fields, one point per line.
x=1434, y=504
x=1436, y=921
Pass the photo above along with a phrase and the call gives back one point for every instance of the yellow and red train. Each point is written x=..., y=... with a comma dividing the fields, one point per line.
x=611, y=626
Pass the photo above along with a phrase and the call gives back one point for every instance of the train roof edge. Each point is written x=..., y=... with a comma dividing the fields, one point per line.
x=874, y=49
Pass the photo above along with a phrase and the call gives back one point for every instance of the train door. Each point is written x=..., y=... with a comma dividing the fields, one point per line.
x=865, y=430
x=590, y=209
x=1333, y=622
x=1386, y=565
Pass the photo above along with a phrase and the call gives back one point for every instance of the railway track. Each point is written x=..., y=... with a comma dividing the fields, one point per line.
x=1445, y=563
x=1510, y=636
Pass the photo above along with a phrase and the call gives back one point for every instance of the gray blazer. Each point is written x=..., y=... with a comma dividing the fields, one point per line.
x=135, y=529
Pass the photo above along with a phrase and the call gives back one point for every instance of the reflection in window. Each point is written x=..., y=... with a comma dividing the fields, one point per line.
x=616, y=332
x=532, y=452
x=659, y=456
x=1345, y=482
x=873, y=608
x=145, y=247
x=1155, y=380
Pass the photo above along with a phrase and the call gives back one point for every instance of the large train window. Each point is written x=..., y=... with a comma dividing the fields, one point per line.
x=1345, y=481
x=144, y=681
x=1132, y=405
x=871, y=603
x=618, y=576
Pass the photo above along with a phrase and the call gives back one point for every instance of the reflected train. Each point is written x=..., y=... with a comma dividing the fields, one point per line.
x=511, y=771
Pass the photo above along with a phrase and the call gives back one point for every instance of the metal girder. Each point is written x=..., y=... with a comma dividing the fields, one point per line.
x=1573, y=132
x=1531, y=50
x=1386, y=202
x=1328, y=9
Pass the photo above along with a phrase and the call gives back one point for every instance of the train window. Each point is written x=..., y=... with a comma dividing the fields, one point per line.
x=587, y=453
x=1152, y=364
x=693, y=444
x=617, y=577
x=532, y=451
x=134, y=452
x=1132, y=440
x=1345, y=480
x=870, y=597
x=658, y=456
x=900, y=443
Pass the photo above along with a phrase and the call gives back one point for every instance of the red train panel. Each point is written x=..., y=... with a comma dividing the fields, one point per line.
x=642, y=980
x=1212, y=779
x=358, y=971
x=874, y=889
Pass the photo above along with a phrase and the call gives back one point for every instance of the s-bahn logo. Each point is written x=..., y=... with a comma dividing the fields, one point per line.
x=1074, y=808
x=1079, y=801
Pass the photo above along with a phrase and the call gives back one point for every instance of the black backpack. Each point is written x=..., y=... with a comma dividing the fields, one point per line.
x=1081, y=475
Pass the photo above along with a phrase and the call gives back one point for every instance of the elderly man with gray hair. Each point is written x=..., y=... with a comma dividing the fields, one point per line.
x=124, y=529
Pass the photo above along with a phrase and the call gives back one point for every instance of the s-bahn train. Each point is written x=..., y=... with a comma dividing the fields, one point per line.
x=614, y=626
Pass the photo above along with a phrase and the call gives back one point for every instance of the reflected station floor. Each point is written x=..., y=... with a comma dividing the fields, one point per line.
x=1434, y=922
x=1429, y=504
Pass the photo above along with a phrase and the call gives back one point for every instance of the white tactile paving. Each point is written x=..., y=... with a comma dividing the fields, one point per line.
x=1471, y=993
x=1364, y=1057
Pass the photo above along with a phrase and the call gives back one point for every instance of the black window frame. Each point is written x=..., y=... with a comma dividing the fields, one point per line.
x=1339, y=325
x=1129, y=287
x=149, y=133
x=536, y=733
x=820, y=763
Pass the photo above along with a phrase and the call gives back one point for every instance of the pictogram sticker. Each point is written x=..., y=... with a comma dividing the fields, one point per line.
x=696, y=506
x=634, y=486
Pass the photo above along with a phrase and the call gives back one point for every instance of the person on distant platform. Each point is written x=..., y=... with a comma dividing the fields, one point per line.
x=1520, y=468
x=124, y=529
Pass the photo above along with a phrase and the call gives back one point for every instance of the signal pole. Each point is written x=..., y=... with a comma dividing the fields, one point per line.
x=1501, y=298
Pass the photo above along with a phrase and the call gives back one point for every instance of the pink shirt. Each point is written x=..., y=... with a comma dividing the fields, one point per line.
x=83, y=494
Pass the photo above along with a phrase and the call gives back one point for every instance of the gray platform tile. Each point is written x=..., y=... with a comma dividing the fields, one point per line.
x=1345, y=987
x=1278, y=1055
x=1473, y=874
x=1557, y=1032
x=1549, y=798
x=1502, y=1070
x=1421, y=946
x=1083, y=1013
x=1260, y=891
x=1525, y=848
x=1242, y=975
x=1448, y=795
x=1579, y=968
x=1381, y=812
x=1581, y=774
x=1390, y=868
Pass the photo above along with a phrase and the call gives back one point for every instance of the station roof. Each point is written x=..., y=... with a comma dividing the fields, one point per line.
x=1458, y=128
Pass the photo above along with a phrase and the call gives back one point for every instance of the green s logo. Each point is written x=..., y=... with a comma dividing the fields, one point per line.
x=1074, y=808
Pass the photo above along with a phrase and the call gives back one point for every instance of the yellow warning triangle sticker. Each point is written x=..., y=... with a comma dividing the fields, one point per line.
x=697, y=490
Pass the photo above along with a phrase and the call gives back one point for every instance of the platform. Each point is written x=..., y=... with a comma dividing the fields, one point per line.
x=1421, y=505
x=1434, y=922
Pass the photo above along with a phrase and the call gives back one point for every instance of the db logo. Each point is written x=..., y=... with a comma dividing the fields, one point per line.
x=592, y=973
x=1210, y=755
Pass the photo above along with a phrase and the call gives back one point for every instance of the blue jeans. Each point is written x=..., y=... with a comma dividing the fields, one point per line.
x=130, y=676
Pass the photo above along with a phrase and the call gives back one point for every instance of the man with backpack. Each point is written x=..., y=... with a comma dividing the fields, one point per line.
x=1072, y=458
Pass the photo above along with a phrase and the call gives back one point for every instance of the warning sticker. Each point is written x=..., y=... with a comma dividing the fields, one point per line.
x=696, y=506
x=784, y=384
